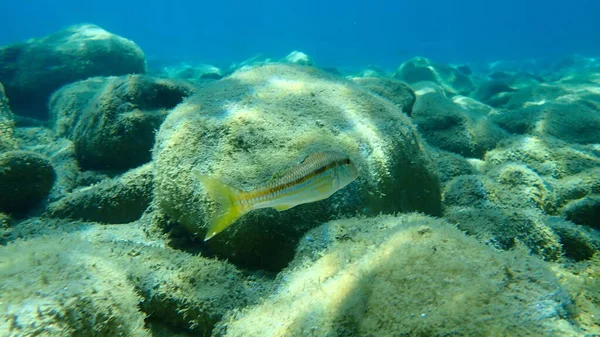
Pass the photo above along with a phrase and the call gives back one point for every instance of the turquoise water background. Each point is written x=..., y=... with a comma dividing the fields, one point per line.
x=333, y=33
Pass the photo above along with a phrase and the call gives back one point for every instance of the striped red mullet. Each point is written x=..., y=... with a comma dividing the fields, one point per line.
x=316, y=178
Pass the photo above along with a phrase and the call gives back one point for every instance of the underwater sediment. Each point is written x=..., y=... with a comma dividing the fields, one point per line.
x=476, y=210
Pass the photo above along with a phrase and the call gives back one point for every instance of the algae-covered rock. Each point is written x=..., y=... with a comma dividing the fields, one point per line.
x=64, y=287
x=584, y=211
x=396, y=91
x=32, y=70
x=407, y=276
x=519, y=121
x=59, y=151
x=88, y=280
x=443, y=124
x=118, y=200
x=197, y=73
x=187, y=291
x=548, y=156
x=420, y=69
x=451, y=165
x=574, y=121
x=112, y=121
x=506, y=204
x=579, y=243
x=5, y=228
x=576, y=186
x=299, y=58
x=7, y=124
x=504, y=226
x=262, y=120
x=460, y=125
x=535, y=95
x=26, y=179
x=492, y=92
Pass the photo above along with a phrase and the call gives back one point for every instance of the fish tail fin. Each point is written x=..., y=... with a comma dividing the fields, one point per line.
x=226, y=196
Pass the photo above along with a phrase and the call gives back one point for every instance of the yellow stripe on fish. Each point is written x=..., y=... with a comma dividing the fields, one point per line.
x=316, y=178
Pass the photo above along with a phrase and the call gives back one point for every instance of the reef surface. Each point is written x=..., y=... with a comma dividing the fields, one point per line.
x=476, y=210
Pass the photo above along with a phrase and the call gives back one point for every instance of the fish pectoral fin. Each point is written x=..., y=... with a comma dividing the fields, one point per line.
x=283, y=207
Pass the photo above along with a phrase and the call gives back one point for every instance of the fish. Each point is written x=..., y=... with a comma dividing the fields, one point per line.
x=317, y=177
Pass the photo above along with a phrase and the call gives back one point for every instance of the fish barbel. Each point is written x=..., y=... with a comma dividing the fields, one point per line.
x=316, y=178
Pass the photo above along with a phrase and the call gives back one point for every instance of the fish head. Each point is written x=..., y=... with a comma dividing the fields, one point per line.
x=346, y=172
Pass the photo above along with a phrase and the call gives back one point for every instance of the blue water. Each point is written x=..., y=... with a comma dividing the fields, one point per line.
x=334, y=33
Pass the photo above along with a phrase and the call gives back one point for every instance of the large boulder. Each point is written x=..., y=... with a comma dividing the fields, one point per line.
x=419, y=69
x=396, y=91
x=460, y=125
x=112, y=120
x=25, y=179
x=410, y=275
x=262, y=120
x=33, y=69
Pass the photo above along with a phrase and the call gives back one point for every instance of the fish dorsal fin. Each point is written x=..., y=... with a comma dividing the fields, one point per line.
x=287, y=170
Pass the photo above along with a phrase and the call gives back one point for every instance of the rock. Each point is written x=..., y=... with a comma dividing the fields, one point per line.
x=59, y=151
x=510, y=184
x=443, y=124
x=112, y=121
x=547, y=156
x=262, y=120
x=576, y=186
x=7, y=124
x=197, y=73
x=451, y=165
x=118, y=200
x=504, y=227
x=520, y=187
x=70, y=290
x=409, y=275
x=486, y=134
x=26, y=179
x=520, y=120
x=579, y=243
x=517, y=79
x=5, y=228
x=534, y=95
x=372, y=70
x=572, y=121
x=576, y=63
x=491, y=92
x=421, y=69
x=459, y=125
x=32, y=70
x=507, y=203
x=397, y=92
x=465, y=69
x=585, y=211
x=299, y=58
x=107, y=280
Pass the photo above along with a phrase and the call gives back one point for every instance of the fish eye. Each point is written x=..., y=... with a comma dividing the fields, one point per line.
x=347, y=161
